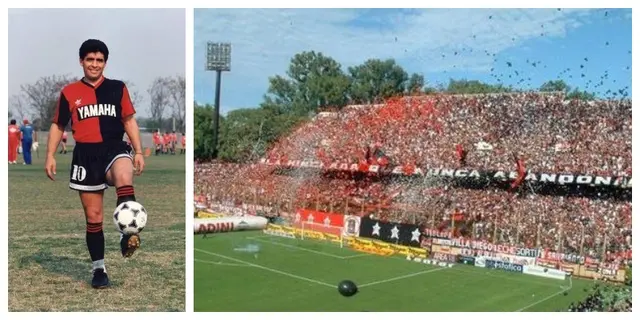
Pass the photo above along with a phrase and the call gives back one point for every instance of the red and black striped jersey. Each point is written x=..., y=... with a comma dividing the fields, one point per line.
x=96, y=111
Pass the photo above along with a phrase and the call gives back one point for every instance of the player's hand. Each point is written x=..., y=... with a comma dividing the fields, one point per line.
x=50, y=167
x=138, y=163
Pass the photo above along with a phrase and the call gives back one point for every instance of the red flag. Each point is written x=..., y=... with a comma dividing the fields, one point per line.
x=408, y=169
x=363, y=166
x=522, y=173
x=462, y=155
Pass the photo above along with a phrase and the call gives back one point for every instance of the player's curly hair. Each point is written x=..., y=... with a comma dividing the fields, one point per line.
x=93, y=45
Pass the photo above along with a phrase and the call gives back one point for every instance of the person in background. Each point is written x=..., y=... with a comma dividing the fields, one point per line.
x=167, y=142
x=14, y=142
x=28, y=137
x=174, y=142
x=184, y=143
x=63, y=144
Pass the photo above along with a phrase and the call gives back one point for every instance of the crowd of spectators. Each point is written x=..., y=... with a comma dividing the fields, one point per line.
x=606, y=298
x=549, y=133
x=546, y=132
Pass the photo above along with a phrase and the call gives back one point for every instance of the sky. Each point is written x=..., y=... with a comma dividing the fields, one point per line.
x=540, y=44
x=143, y=44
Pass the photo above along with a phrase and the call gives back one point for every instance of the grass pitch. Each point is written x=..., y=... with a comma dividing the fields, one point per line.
x=49, y=264
x=302, y=275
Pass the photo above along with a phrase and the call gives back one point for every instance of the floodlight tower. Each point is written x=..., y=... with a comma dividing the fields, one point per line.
x=218, y=60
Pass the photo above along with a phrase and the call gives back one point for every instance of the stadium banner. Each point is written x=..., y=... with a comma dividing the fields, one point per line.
x=426, y=243
x=483, y=246
x=593, y=267
x=203, y=214
x=382, y=244
x=480, y=262
x=544, y=272
x=550, y=178
x=279, y=233
x=351, y=226
x=434, y=233
x=319, y=217
x=398, y=233
x=445, y=249
x=228, y=210
x=419, y=251
x=524, y=261
x=547, y=254
x=512, y=267
x=467, y=260
x=477, y=253
x=319, y=228
x=446, y=257
x=229, y=224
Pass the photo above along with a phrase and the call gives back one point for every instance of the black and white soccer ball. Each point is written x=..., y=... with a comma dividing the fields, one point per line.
x=130, y=217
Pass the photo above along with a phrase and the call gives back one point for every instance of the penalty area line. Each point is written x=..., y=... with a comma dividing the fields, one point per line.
x=305, y=249
x=222, y=263
x=266, y=268
x=401, y=277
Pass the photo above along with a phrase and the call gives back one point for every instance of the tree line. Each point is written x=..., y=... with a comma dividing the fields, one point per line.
x=314, y=82
x=165, y=102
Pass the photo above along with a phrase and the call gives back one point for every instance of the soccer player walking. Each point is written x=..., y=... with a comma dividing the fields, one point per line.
x=28, y=136
x=100, y=111
x=14, y=141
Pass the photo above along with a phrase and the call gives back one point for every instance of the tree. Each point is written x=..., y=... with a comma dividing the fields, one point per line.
x=315, y=81
x=203, y=131
x=416, y=83
x=18, y=107
x=561, y=86
x=159, y=93
x=580, y=95
x=376, y=80
x=177, y=90
x=135, y=96
x=430, y=90
x=243, y=137
x=43, y=95
x=464, y=86
x=555, y=86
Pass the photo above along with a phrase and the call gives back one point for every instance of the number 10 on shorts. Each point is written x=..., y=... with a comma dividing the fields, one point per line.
x=79, y=173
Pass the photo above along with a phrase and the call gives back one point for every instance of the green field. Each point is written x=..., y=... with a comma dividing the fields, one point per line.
x=49, y=265
x=302, y=275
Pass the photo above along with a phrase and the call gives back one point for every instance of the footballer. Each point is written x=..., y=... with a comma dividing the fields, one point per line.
x=100, y=111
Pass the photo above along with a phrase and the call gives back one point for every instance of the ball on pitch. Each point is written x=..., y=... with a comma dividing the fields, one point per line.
x=347, y=288
x=130, y=217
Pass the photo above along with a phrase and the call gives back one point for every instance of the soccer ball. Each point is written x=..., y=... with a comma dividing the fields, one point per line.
x=347, y=288
x=130, y=217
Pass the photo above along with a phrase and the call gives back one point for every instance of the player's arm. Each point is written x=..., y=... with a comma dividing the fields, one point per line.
x=131, y=128
x=129, y=122
x=60, y=119
x=133, y=132
x=55, y=136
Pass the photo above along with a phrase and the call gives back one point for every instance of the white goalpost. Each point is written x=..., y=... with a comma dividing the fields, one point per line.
x=313, y=230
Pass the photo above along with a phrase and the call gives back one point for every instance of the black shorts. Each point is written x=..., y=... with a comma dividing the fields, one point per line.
x=91, y=161
x=64, y=140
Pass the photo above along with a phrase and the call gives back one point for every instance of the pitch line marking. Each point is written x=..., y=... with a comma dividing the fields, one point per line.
x=401, y=277
x=549, y=297
x=221, y=263
x=267, y=268
x=308, y=250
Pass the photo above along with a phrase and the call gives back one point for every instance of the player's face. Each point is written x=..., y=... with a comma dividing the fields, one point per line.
x=93, y=65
